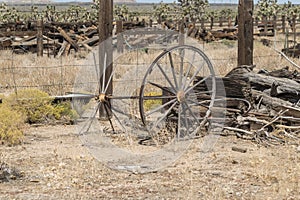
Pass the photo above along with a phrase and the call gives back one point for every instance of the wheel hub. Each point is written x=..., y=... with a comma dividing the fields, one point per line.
x=180, y=96
x=101, y=97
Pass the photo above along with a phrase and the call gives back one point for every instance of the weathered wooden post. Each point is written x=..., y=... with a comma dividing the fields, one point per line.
x=245, y=34
x=211, y=22
x=274, y=23
x=229, y=22
x=202, y=23
x=294, y=27
x=150, y=23
x=221, y=21
x=105, y=27
x=283, y=23
x=39, y=38
x=120, y=39
x=181, y=33
x=265, y=22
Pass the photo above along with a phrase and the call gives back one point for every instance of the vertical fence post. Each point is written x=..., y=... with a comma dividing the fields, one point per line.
x=202, y=23
x=294, y=27
x=181, y=33
x=220, y=21
x=229, y=22
x=120, y=39
x=283, y=23
x=274, y=23
x=105, y=18
x=39, y=36
x=265, y=22
x=256, y=21
x=245, y=34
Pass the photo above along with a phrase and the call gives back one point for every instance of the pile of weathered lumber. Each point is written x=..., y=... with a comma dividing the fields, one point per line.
x=263, y=106
x=212, y=35
x=58, y=38
x=293, y=51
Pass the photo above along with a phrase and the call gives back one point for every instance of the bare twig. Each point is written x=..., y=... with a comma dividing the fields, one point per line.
x=238, y=130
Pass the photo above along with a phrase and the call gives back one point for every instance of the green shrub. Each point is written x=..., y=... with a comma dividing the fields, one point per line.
x=11, y=125
x=34, y=104
x=63, y=111
x=37, y=107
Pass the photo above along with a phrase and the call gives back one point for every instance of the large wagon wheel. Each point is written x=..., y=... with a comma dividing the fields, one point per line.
x=172, y=81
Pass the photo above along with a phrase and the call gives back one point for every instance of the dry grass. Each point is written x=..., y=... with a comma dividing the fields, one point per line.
x=223, y=54
x=54, y=76
x=57, y=76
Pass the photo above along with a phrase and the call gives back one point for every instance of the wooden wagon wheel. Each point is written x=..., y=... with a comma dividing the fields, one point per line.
x=172, y=81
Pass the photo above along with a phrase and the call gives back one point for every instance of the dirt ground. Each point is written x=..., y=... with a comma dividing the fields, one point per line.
x=55, y=165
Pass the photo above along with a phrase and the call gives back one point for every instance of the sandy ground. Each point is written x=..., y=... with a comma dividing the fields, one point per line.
x=55, y=165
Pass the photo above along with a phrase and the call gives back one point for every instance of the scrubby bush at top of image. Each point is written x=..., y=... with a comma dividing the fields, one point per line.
x=37, y=107
x=11, y=125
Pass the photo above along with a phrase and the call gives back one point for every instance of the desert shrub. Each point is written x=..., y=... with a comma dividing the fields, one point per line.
x=11, y=125
x=34, y=104
x=37, y=107
x=63, y=111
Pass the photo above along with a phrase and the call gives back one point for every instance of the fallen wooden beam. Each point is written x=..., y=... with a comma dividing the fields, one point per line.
x=68, y=38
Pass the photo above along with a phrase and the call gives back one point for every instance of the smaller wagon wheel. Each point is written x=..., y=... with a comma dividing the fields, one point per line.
x=172, y=95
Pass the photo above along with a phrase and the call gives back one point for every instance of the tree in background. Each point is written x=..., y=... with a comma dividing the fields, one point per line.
x=121, y=12
x=193, y=9
x=162, y=11
x=267, y=8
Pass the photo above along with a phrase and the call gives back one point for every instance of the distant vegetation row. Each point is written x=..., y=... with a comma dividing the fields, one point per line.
x=194, y=10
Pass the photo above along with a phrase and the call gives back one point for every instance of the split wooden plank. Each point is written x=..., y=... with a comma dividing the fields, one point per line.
x=68, y=38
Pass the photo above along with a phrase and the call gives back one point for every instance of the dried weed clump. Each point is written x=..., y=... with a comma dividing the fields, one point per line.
x=11, y=125
x=37, y=107
x=30, y=106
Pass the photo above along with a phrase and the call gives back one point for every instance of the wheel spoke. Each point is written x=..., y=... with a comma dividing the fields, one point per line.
x=165, y=75
x=188, y=71
x=160, y=107
x=193, y=115
x=109, y=80
x=161, y=87
x=90, y=120
x=164, y=115
x=193, y=77
x=188, y=89
x=108, y=112
x=181, y=67
x=179, y=121
x=196, y=103
x=96, y=69
x=104, y=71
x=173, y=70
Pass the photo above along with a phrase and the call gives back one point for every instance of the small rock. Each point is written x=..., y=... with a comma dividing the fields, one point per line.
x=235, y=162
x=8, y=173
x=239, y=149
x=298, y=149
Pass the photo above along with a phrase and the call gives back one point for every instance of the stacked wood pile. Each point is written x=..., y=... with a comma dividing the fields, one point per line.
x=262, y=106
x=293, y=51
x=58, y=38
x=211, y=35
